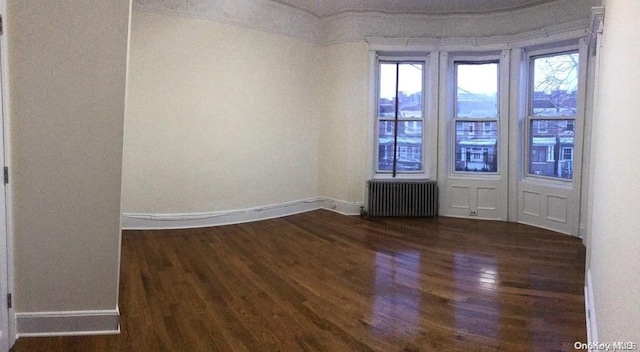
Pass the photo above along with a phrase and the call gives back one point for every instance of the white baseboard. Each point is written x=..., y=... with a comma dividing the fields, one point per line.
x=74, y=323
x=342, y=207
x=590, y=309
x=141, y=221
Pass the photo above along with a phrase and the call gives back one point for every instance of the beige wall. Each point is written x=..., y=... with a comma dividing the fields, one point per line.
x=67, y=69
x=615, y=242
x=223, y=116
x=219, y=117
x=344, y=94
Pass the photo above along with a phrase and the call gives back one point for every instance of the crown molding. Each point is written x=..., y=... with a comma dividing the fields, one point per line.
x=540, y=21
x=280, y=18
x=561, y=32
x=596, y=28
x=263, y=15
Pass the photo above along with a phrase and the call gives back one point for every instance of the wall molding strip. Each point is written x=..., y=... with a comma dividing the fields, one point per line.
x=144, y=221
x=68, y=323
x=590, y=309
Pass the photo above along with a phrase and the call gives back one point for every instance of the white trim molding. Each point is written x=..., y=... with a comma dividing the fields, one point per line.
x=470, y=29
x=590, y=309
x=145, y=221
x=596, y=28
x=269, y=16
x=7, y=259
x=71, y=323
x=279, y=17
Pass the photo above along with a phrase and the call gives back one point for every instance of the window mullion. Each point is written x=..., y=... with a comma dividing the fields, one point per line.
x=395, y=128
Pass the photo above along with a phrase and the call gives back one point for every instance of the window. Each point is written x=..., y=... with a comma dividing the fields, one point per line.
x=400, y=117
x=553, y=92
x=541, y=127
x=476, y=116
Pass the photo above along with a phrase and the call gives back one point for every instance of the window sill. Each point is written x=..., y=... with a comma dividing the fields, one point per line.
x=549, y=181
x=412, y=176
x=485, y=176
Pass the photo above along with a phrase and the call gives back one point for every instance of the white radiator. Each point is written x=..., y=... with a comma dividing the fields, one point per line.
x=403, y=198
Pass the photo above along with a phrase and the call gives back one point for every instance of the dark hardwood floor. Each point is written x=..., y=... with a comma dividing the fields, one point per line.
x=320, y=281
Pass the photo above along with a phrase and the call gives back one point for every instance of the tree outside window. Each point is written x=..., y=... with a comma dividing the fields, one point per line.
x=553, y=98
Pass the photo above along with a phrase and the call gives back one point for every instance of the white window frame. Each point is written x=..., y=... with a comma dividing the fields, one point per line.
x=424, y=60
x=470, y=121
x=528, y=58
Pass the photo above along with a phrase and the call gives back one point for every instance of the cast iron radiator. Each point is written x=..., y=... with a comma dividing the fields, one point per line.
x=403, y=198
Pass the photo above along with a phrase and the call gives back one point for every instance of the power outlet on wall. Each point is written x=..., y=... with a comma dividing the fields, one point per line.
x=473, y=213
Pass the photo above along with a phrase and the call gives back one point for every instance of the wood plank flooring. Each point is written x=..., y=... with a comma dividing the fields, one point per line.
x=321, y=281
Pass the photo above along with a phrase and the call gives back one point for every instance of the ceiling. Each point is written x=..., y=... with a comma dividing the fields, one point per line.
x=325, y=8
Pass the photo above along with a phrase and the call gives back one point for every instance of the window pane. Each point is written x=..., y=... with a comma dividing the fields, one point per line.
x=409, y=147
x=410, y=90
x=551, y=147
x=476, y=146
x=555, y=85
x=387, y=94
x=407, y=78
x=385, y=145
x=477, y=90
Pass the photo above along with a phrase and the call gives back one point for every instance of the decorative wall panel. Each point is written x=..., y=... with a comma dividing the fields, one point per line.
x=531, y=203
x=487, y=198
x=557, y=208
x=460, y=197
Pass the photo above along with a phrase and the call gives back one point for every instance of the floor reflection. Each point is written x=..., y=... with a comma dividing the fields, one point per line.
x=476, y=309
x=396, y=305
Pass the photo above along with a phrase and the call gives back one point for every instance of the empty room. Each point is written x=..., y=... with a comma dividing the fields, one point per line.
x=295, y=175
